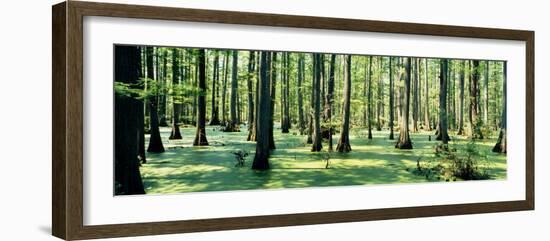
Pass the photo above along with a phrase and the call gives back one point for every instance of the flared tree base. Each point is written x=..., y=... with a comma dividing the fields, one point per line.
x=260, y=161
x=200, y=138
x=407, y=145
x=251, y=136
x=175, y=134
x=155, y=147
x=317, y=147
x=500, y=146
x=343, y=147
x=214, y=122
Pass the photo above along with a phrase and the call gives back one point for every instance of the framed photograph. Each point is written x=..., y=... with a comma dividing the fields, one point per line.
x=171, y=120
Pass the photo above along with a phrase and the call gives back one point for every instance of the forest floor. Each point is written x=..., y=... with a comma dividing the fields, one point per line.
x=184, y=168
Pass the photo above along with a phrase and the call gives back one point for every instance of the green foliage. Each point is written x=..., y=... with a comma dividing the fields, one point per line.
x=240, y=157
x=184, y=93
x=450, y=164
x=473, y=165
x=430, y=170
x=144, y=89
x=129, y=90
x=147, y=88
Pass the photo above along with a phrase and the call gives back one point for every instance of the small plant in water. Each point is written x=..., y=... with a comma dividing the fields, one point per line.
x=240, y=157
x=326, y=158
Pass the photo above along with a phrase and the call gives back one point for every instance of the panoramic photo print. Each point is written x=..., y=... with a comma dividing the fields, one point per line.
x=195, y=120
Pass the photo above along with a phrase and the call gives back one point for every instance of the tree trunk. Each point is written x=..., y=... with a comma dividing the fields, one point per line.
x=496, y=118
x=344, y=141
x=261, y=157
x=404, y=141
x=162, y=105
x=282, y=93
x=233, y=124
x=285, y=120
x=257, y=110
x=141, y=114
x=486, y=94
x=316, y=136
x=200, y=135
x=195, y=99
x=287, y=92
x=451, y=96
x=186, y=80
x=369, y=100
x=301, y=122
x=250, y=77
x=500, y=146
x=474, y=101
x=311, y=104
x=146, y=85
x=443, y=135
x=391, y=99
x=415, y=95
x=461, y=100
x=379, y=95
x=427, y=103
x=224, y=89
x=157, y=77
x=365, y=94
x=420, y=88
x=329, y=99
x=322, y=83
x=175, y=133
x=128, y=112
x=215, y=118
x=273, y=94
x=239, y=109
x=155, y=142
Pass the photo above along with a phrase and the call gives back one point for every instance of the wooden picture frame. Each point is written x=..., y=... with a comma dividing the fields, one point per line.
x=67, y=152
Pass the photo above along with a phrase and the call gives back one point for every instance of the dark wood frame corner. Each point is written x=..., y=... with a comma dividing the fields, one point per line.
x=67, y=123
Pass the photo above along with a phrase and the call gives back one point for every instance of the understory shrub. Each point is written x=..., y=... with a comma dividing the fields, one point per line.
x=450, y=164
x=240, y=157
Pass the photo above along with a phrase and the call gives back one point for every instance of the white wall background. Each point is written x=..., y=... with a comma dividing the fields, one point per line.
x=25, y=102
